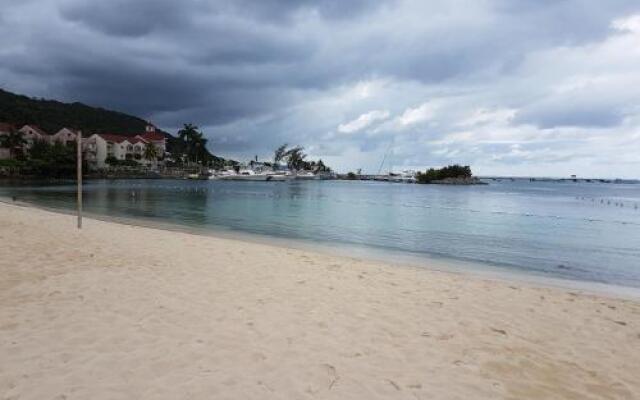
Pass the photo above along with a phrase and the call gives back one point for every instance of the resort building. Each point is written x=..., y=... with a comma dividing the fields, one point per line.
x=31, y=134
x=64, y=136
x=97, y=148
x=100, y=147
x=158, y=139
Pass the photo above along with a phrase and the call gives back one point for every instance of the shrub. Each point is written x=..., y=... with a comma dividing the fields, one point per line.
x=114, y=162
x=11, y=163
x=450, y=171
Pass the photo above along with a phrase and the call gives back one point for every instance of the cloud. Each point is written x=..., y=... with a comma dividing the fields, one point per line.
x=363, y=121
x=483, y=116
x=627, y=24
x=412, y=116
x=464, y=80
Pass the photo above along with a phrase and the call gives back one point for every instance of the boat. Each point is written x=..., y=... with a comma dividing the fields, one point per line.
x=215, y=175
x=275, y=176
x=244, y=175
x=251, y=175
x=403, y=177
x=306, y=175
x=198, y=176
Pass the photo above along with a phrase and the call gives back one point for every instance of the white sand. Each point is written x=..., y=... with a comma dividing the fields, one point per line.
x=122, y=312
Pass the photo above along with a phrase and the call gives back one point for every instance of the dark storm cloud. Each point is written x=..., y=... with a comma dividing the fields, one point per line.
x=130, y=18
x=255, y=73
x=281, y=10
x=141, y=17
x=215, y=36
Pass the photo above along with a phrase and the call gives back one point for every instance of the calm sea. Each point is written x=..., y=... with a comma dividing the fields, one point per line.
x=579, y=231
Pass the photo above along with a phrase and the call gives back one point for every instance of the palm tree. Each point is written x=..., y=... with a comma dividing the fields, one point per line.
x=280, y=153
x=295, y=158
x=13, y=141
x=150, y=153
x=200, y=150
x=187, y=134
x=195, y=143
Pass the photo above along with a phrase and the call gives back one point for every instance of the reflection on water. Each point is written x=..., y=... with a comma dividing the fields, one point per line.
x=583, y=231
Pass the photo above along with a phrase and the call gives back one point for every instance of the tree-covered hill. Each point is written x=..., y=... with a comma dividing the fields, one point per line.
x=51, y=116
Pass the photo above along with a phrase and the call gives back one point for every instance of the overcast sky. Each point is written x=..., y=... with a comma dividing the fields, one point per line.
x=527, y=87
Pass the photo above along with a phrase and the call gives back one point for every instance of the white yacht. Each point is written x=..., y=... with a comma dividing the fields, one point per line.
x=278, y=176
x=243, y=175
x=403, y=177
x=306, y=175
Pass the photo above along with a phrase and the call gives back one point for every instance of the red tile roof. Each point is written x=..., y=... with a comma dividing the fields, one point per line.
x=6, y=127
x=111, y=137
x=74, y=131
x=155, y=136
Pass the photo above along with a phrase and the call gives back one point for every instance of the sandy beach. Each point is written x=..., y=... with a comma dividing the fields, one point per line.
x=125, y=312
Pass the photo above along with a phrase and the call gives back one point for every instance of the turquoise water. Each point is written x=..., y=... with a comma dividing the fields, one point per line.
x=579, y=231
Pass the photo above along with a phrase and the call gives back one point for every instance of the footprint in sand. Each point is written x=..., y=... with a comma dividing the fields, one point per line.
x=332, y=379
x=500, y=331
x=444, y=336
x=395, y=385
x=333, y=376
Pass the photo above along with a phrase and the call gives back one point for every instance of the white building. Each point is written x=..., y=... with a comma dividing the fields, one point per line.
x=64, y=136
x=32, y=133
x=157, y=138
x=99, y=147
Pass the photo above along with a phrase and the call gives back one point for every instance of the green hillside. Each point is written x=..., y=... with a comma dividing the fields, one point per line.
x=52, y=115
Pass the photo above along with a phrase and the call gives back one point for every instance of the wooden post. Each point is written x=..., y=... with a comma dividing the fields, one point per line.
x=79, y=168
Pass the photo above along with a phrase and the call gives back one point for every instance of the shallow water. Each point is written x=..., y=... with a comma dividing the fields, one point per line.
x=579, y=231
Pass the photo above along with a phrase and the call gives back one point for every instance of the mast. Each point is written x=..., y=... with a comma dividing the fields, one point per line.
x=386, y=153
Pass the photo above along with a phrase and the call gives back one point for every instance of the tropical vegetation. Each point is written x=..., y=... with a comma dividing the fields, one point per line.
x=449, y=172
x=190, y=148
x=43, y=158
x=52, y=116
x=295, y=158
x=14, y=142
x=150, y=153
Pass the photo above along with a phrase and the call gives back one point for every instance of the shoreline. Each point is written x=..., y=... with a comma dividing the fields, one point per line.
x=472, y=269
x=118, y=311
